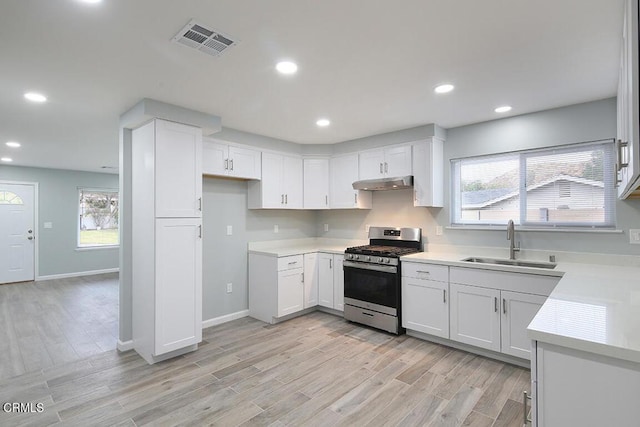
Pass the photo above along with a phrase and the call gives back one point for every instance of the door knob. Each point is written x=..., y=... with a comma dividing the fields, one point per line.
x=30, y=237
x=29, y=231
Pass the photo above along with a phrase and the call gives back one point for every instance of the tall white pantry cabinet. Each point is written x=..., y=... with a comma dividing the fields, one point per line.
x=166, y=239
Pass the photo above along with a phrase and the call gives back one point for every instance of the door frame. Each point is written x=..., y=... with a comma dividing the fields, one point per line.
x=36, y=222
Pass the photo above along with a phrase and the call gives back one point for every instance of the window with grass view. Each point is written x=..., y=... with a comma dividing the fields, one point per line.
x=98, y=225
x=565, y=186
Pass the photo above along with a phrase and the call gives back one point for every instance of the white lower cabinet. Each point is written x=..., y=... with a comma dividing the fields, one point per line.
x=484, y=308
x=338, y=282
x=425, y=298
x=475, y=318
x=178, y=290
x=290, y=291
x=310, y=280
x=518, y=310
x=330, y=281
x=575, y=388
x=276, y=286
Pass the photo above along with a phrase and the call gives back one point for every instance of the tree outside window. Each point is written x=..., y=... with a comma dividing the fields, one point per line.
x=99, y=218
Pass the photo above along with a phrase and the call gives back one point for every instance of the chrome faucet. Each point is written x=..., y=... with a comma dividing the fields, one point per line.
x=511, y=236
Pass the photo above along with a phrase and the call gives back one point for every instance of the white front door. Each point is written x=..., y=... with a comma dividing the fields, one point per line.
x=17, y=233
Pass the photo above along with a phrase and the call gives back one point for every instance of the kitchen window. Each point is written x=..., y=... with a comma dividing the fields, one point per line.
x=564, y=186
x=98, y=218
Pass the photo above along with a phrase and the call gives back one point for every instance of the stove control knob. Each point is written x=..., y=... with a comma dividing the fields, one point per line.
x=368, y=258
x=387, y=260
x=357, y=257
x=350, y=256
x=380, y=259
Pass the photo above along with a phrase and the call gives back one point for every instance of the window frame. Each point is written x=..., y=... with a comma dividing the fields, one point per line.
x=610, y=194
x=79, y=246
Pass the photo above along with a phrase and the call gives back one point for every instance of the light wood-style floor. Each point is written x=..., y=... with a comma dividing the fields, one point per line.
x=312, y=370
x=43, y=324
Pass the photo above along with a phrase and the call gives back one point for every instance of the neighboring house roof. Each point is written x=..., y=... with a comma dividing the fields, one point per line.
x=483, y=198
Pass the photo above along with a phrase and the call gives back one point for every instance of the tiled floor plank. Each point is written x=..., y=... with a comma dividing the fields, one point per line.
x=316, y=370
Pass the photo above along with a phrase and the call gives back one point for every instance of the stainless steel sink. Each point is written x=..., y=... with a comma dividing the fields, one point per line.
x=514, y=262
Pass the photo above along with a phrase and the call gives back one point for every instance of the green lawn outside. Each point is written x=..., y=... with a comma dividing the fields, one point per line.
x=99, y=237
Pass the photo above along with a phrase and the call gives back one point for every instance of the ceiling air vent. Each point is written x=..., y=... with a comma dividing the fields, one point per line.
x=204, y=39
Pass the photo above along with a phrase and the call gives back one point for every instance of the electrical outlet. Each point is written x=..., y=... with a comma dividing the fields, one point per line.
x=48, y=225
x=634, y=236
x=326, y=227
x=438, y=230
x=276, y=229
x=229, y=230
x=229, y=288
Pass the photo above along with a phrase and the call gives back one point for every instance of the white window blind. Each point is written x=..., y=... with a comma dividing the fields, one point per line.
x=566, y=186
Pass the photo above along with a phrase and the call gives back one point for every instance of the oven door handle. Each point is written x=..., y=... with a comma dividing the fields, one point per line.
x=364, y=266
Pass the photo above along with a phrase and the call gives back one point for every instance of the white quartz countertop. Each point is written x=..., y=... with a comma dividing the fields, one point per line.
x=594, y=308
x=279, y=248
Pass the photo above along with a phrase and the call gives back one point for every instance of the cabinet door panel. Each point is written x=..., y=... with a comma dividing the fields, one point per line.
x=425, y=306
x=316, y=183
x=343, y=172
x=290, y=291
x=292, y=183
x=213, y=158
x=475, y=316
x=325, y=280
x=518, y=310
x=371, y=164
x=397, y=161
x=338, y=282
x=310, y=280
x=272, y=175
x=244, y=163
x=178, y=291
x=178, y=158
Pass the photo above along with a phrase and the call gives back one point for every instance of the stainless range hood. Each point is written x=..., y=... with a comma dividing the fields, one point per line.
x=397, y=183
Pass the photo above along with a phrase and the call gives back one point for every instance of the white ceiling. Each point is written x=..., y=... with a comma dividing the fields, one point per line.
x=368, y=65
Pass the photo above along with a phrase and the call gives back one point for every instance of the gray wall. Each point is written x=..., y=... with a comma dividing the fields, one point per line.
x=225, y=257
x=58, y=204
x=582, y=122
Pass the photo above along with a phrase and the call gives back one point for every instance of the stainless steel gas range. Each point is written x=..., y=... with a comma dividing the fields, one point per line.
x=372, y=277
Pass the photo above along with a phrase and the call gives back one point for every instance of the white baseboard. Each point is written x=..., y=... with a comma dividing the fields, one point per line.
x=224, y=319
x=77, y=274
x=125, y=345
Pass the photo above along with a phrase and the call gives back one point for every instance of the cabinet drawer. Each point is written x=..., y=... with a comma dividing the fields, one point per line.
x=289, y=262
x=420, y=270
x=506, y=281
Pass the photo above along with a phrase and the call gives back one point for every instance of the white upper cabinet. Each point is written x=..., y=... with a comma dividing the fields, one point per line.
x=316, y=183
x=428, y=173
x=221, y=159
x=281, y=184
x=387, y=162
x=343, y=172
x=178, y=170
x=628, y=126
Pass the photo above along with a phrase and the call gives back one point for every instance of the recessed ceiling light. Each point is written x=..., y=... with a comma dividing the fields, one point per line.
x=503, y=109
x=13, y=144
x=35, y=97
x=444, y=88
x=323, y=122
x=91, y=1
x=286, y=67
x=6, y=159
